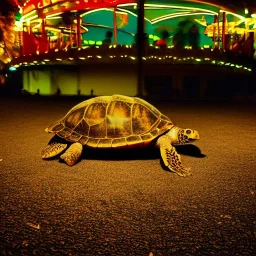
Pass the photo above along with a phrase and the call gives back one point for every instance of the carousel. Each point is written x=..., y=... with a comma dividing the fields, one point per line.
x=78, y=35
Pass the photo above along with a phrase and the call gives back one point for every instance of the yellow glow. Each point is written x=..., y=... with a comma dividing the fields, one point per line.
x=168, y=15
x=95, y=10
x=53, y=15
x=133, y=14
x=171, y=16
x=126, y=5
x=53, y=18
x=26, y=16
x=30, y=18
x=53, y=29
x=84, y=28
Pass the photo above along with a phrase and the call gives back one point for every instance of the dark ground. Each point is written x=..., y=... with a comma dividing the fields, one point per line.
x=117, y=205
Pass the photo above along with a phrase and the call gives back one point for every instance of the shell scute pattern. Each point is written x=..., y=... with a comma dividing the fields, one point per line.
x=73, y=119
x=118, y=119
x=95, y=114
x=58, y=128
x=112, y=121
x=82, y=128
x=142, y=119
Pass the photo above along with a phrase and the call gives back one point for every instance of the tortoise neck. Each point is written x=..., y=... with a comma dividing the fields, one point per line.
x=173, y=134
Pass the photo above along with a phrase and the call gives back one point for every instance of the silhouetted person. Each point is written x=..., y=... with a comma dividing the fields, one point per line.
x=58, y=92
x=247, y=47
x=108, y=39
x=145, y=39
x=179, y=39
x=163, y=41
x=193, y=37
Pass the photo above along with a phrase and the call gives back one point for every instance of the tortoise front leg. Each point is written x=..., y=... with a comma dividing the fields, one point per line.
x=170, y=157
x=72, y=154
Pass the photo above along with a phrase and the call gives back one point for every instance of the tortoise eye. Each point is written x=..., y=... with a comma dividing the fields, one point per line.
x=188, y=131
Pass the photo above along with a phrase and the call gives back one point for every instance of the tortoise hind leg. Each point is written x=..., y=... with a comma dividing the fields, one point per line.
x=72, y=154
x=53, y=149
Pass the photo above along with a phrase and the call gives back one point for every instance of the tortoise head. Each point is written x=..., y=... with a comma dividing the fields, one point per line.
x=187, y=136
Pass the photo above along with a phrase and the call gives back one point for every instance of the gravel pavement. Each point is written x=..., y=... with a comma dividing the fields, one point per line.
x=124, y=202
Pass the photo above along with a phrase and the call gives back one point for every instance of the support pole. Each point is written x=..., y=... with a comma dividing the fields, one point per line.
x=43, y=29
x=45, y=45
x=78, y=30
x=218, y=28
x=214, y=32
x=115, y=27
x=140, y=47
x=224, y=31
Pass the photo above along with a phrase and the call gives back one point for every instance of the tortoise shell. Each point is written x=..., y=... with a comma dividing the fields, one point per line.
x=112, y=121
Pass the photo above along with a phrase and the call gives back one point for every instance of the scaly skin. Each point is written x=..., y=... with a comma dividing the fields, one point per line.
x=53, y=149
x=72, y=154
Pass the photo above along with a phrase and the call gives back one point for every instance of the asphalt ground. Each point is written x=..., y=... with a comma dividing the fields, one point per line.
x=125, y=202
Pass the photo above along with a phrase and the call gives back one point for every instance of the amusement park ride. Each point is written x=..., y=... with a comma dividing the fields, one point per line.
x=51, y=24
x=71, y=31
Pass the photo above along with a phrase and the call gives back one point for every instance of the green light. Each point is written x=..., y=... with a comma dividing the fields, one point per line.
x=246, y=11
x=99, y=43
x=156, y=38
x=91, y=42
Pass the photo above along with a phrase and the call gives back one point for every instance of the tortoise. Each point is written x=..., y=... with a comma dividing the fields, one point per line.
x=117, y=121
